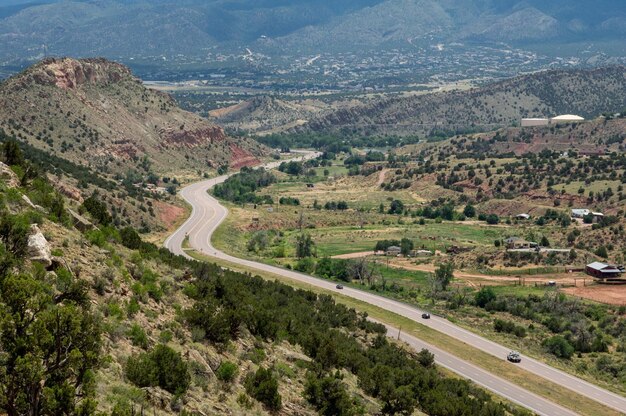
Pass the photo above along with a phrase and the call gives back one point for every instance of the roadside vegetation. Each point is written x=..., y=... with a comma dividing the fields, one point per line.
x=451, y=217
x=67, y=326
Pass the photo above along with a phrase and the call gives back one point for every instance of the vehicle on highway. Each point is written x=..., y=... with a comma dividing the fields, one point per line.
x=514, y=357
x=339, y=286
x=425, y=315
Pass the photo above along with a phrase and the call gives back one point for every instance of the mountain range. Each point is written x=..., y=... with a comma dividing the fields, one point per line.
x=126, y=29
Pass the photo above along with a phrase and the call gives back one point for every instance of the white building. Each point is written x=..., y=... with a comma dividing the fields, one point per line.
x=580, y=212
x=535, y=122
x=566, y=118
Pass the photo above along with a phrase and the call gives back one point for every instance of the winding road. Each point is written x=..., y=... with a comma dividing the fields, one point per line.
x=207, y=214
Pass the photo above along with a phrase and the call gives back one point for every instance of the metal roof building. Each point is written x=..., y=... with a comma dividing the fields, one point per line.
x=603, y=270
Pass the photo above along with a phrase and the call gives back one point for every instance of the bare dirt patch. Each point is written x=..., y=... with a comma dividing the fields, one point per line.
x=168, y=214
x=611, y=294
x=354, y=255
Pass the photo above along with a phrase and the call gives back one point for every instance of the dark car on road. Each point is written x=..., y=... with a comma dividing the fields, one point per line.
x=339, y=286
x=425, y=315
x=514, y=357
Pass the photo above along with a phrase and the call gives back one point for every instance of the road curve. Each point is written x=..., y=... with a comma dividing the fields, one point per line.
x=207, y=214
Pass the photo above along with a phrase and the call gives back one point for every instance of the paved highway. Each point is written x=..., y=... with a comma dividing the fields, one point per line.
x=207, y=214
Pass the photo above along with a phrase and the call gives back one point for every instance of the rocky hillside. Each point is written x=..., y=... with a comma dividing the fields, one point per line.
x=112, y=325
x=94, y=112
x=595, y=137
x=263, y=114
x=600, y=136
x=545, y=94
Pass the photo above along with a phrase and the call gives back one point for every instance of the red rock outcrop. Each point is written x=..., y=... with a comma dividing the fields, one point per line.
x=192, y=138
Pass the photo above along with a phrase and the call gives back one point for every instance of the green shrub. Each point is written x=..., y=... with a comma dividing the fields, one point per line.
x=263, y=386
x=602, y=252
x=284, y=370
x=559, y=346
x=97, y=209
x=484, y=296
x=227, y=371
x=328, y=395
x=162, y=367
x=130, y=238
x=133, y=307
x=165, y=336
x=99, y=285
x=492, y=219
x=257, y=355
x=244, y=401
x=305, y=265
x=509, y=327
x=138, y=336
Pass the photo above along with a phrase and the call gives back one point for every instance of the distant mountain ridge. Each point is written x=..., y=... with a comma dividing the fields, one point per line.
x=123, y=29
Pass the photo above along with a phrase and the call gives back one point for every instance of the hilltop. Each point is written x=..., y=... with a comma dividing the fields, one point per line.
x=93, y=127
x=95, y=112
x=500, y=104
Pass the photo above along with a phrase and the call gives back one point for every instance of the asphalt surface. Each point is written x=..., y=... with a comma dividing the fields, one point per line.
x=207, y=214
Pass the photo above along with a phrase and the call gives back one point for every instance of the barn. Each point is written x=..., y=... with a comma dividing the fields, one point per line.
x=603, y=271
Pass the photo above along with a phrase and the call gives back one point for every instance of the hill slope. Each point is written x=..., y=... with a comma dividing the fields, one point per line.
x=95, y=112
x=585, y=92
x=110, y=324
x=263, y=114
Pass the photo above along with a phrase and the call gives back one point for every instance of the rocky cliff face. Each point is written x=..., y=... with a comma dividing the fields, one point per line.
x=71, y=73
x=95, y=112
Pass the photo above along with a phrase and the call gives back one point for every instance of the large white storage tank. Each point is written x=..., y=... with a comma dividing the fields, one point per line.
x=566, y=118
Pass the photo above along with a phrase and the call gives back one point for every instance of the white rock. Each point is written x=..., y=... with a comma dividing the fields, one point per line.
x=30, y=204
x=10, y=178
x=38, y=247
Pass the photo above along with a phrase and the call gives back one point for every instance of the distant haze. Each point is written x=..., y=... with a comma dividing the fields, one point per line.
x=143, y=29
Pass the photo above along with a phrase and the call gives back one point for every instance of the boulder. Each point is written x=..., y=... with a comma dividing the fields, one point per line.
x=69, y=191
x=194, y=355
x=81, y=223
x=30, y=204
x=8, y=176
x=158, y=397
x=38, y=247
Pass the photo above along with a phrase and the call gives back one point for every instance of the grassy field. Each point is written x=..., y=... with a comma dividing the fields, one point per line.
x=337, y=240
x=431, y=236
x=499, y=367
x=597, y=186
